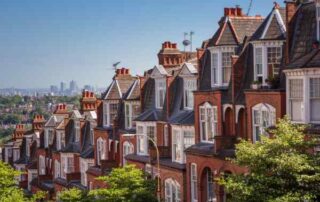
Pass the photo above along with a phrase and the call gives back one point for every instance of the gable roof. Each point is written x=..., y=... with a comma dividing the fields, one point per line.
x=119, y=87
x=188, y=68
x=234, y=29
x=134, y=91
x=273, y=27
x=54, y=120
x=158, y=70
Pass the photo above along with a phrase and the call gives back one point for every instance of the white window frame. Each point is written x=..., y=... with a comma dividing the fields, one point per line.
x=107, y=122
x=160, y=88
x=178, y=142
x=189, y=85
x=127, y=148
x=264, y=48
x=166, y=134
x=260, y=109
x=129, y=115
x=67, y=164
x=28, y=144
x=194, y=182
x=172, y=191
x=57, y=169
x=42, y=165
x=77, y=128
x=32, y=173
x=142, y=139
x=85, y=164
x=16, y=154
x=47, y=138
x=214, y=121
x=318, y=18
x=216, y=64
x=305, y=74
x=209, y=180
x=101, y=150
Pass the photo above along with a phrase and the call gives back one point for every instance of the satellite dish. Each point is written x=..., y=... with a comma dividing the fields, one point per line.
x=186, y=42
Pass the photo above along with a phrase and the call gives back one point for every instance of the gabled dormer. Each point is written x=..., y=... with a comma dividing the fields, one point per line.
x=234, y=28
x=189, y=75
x=159, y=74
x=268, y=43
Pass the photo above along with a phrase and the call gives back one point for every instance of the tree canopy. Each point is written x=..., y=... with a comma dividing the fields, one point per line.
x=126, y=184
x=280, y=168
x=9, y=191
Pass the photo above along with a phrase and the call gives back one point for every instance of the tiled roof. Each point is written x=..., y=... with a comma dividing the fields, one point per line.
x=134, y=91
x=233, y=30
x=273, y=27
x=310, y=60
x=86, y=145
x=303, y=31
x=119, y=87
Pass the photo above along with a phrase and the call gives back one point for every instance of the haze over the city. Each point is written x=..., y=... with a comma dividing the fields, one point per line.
x=44, y=42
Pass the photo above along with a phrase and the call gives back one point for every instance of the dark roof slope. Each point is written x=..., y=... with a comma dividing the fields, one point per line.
x=86, y=145
x=303, y=29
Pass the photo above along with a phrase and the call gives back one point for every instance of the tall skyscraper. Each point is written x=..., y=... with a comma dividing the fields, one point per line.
x=63, y=87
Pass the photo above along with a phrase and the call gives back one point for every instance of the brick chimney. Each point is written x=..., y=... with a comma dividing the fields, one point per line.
x=88, y=101
x=170, y=55
x=38, y=122
x=233, y=12
x=19, y=131
x=61, y=109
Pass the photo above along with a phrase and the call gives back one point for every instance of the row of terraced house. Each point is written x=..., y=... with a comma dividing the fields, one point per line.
x=192, y=106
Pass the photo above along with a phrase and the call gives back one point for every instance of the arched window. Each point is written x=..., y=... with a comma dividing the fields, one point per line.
x=263, y=116
x=127, y=149
x=172, y=191
x=101, y=150
x=211, y=196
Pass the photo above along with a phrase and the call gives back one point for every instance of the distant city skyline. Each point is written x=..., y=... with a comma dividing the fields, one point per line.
x=45, y=42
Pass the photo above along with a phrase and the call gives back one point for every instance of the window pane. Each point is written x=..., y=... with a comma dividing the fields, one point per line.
x=258, y=60
x=315, y=109
x=226, y=66
x=274, y=60
x=214, y=66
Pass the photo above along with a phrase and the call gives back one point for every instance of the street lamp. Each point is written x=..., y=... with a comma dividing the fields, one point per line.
x=158, y=162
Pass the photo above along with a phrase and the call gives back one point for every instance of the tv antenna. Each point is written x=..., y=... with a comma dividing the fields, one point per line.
x=249, y=8
x=186, y=42
x=114, y=66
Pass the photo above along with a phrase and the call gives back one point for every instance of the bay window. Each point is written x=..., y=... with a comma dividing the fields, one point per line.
x=42, y=165
x=296, y=99
x=314, y=99
x=189, y=86
x=132, y=110
x=160, y=89
x=267, y=60
x=67, y=165
x=318, y=18
x=84, y=166
x=48, y=137
x=172, y=191
x=208, y=122
x=221, y=65
x=127, y=149
x=101, y=150
x=194, y=181
x=57, y=169
x=110, y=111
x=182, y=138
x=263, y=116
x=16, y=154
x=145, y=131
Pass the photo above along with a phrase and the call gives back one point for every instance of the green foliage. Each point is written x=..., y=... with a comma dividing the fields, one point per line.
x=9, y=191
x=281, y=168
x=72, y=195
x=127, y=184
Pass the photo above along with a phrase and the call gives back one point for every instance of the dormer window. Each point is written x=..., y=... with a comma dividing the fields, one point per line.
x=267, y=60
x=190, y=85
x=48, y=137
x=318, y=19
x=182, y=138
x=221, y=65
x=77, y=131
x=132, y=110
x=101, y=150
x=160, y=92
x=110, y=110
x=145, y=132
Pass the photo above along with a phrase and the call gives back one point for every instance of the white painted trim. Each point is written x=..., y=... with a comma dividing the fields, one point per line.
x=119, y=90
x=275, y=13
x=238, y=108
x=225, y=107
x=111, y=86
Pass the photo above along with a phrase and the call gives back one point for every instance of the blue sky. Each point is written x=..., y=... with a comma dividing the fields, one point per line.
x=43, y=42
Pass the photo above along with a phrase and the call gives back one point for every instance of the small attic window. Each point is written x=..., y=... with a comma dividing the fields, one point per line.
x=318, y=19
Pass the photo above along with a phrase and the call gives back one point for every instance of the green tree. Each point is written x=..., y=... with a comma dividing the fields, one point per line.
x=9, y=191
x=280, y=168
x=127, y=184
